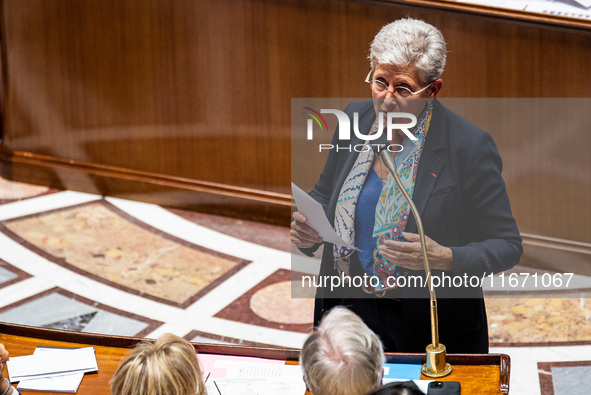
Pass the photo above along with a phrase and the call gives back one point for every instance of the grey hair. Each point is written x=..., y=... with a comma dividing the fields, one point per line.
x=342, y=356
x=410, y=42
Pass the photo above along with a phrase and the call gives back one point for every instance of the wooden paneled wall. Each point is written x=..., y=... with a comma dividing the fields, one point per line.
x=187, y=103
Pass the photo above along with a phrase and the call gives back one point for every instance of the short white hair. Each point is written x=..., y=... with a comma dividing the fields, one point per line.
x=343, y=356
x=410, y=42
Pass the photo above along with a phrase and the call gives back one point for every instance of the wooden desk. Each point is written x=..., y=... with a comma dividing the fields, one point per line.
x=478, y=374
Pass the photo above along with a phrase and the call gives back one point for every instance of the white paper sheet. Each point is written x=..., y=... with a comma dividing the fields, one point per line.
x=67, y=383
x=262, y=370
x=236, y=375
x=216, y=366
x=52, y=361
x=258, y=386
x=315, y=216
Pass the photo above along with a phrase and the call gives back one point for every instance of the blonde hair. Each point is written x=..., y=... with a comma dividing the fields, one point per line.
x=168, y=366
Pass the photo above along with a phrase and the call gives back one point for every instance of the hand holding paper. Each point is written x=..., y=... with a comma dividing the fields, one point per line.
x=315, y=217
x=302, y=235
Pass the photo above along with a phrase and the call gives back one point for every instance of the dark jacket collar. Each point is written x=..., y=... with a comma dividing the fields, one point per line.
x=432, y=162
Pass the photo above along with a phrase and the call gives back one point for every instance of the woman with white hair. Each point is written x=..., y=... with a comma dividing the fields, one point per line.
x=451, y=169
x=342, y=356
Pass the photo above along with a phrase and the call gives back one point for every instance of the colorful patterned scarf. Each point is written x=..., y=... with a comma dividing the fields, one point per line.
x=392, y=210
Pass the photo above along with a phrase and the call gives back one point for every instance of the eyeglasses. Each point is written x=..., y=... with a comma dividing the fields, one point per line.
x=381, y=87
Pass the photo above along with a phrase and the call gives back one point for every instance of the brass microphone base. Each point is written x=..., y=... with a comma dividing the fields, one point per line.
x=436, y=365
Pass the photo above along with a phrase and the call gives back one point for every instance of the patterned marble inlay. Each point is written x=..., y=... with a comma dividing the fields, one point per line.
x=6, y=275
x=571, y=380
x=564, y=378
x=10, y=275
x=272, y=236
x=274, y=303
x=10, y=190
x=538, y=320
x=60, y=309
x=270, y=304
x=98, y=239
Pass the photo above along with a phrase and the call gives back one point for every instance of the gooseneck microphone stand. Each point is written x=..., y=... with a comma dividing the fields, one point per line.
x=436, y=365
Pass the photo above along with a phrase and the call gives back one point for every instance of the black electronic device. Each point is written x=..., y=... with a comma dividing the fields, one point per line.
x=443, y=388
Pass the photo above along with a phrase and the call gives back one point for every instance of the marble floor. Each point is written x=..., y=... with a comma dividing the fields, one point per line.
x=97, y=264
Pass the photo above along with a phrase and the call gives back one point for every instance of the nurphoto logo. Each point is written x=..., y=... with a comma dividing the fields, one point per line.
x=392, y=122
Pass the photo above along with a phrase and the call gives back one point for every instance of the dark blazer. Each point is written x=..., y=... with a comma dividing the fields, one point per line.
x=463, y=203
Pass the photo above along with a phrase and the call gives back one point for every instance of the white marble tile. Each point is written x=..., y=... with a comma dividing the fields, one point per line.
x=6, y=275
x=252, y=333
x=179, y=329
x=524, y=363
x=23, y=289
x=109, y=323
x=44, y=203
x=47, y=309
x=186, y=230
x=573, y=380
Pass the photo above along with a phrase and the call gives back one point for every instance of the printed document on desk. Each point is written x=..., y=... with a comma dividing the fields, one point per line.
x=235, y=375
x=67, y=383
x=315, y=217
x=259, y=386
x=47, y=362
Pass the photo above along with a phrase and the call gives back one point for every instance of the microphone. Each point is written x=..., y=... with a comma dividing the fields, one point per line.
x=380, y=148
x=435, y=365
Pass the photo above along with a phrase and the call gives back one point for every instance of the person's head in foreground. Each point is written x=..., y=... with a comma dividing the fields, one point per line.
x=168, y=366
x=342, y=356
x=403, y=388
x=407, y=58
